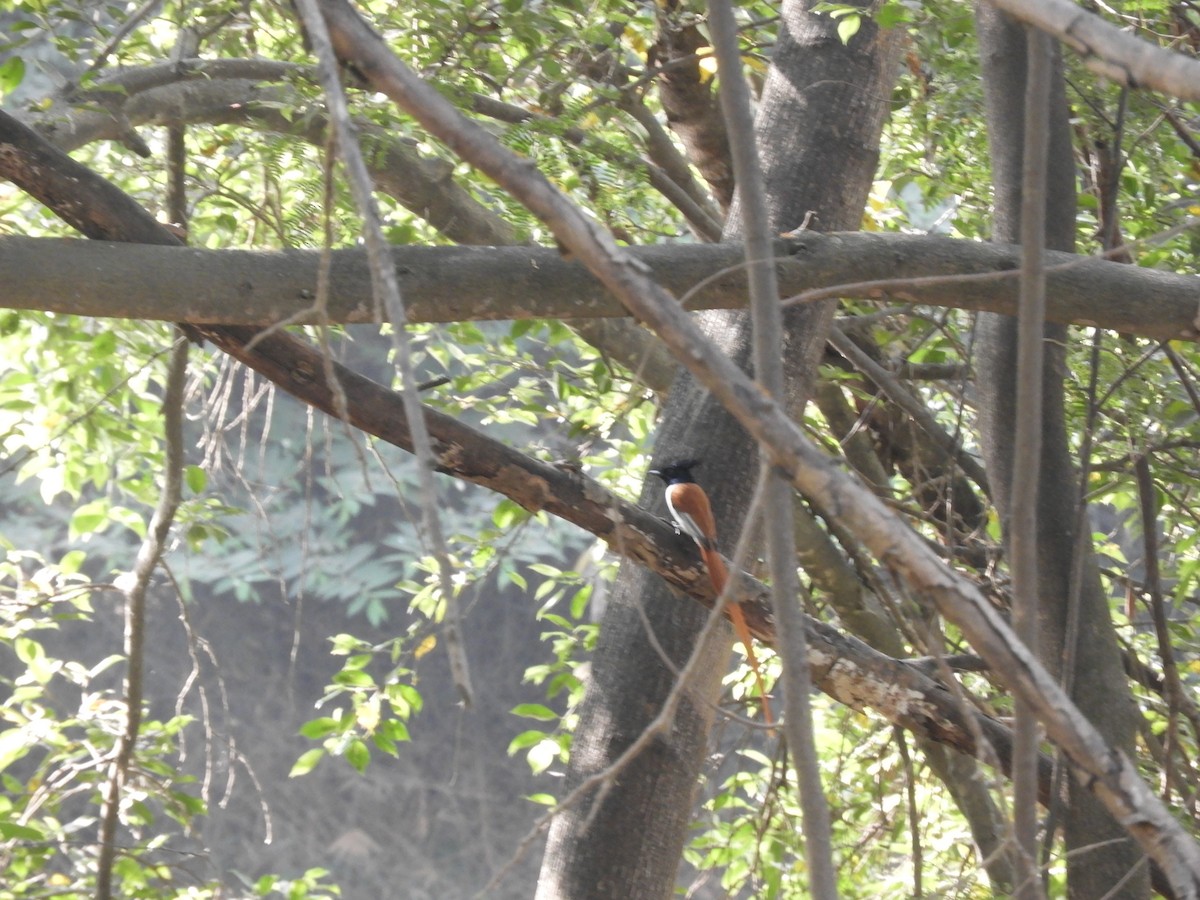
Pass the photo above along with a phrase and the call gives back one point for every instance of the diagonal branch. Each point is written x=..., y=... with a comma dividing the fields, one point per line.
x=1108, y=50
x=903, y=398
x=1102, y=769
x=386, y=291
x=777, y=518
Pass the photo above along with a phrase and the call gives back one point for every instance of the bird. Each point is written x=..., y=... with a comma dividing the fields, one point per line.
x=693, y=515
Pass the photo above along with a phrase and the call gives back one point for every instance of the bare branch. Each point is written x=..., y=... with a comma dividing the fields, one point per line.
x=670, y=176
x=452, y=284
x=903, y=398
x=1027, y=454
x=134, y=584
x=777, y=519
x=1108, y=50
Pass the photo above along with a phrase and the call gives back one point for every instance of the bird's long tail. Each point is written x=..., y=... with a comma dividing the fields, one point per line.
x=718, y=574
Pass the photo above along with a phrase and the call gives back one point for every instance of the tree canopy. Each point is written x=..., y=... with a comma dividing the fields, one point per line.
x=336, y=343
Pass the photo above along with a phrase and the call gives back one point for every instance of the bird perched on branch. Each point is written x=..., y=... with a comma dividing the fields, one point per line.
x=692, y=512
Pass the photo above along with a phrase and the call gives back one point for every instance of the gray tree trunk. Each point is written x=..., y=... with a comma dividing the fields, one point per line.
x=818, y=128
x=1100, y=852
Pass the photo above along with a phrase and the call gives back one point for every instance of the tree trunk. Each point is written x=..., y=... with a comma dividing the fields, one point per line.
x=818, y=128
x=1100, y=852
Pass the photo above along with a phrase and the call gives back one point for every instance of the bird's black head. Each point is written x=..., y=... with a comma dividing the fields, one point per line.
x=675, y=472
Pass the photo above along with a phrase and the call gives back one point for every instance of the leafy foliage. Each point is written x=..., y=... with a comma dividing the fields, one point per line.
x=280, y=511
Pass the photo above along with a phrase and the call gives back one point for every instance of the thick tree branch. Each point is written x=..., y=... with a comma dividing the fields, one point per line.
x=1108, y=50
x=688, y=101
x=452, y=284
x=215, y=92
x=1027, y=457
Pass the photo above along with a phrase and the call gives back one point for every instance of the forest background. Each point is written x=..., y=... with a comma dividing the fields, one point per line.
x=269, y=627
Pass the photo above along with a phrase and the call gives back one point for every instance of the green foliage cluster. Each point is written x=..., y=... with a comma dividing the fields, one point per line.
x=79, y=419
x=60, y=722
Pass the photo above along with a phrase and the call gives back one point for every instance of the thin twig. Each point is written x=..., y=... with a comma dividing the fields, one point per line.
x=1174, y=687
x=778, y=524
x=914, y=811
x=1080, y=557
x=131, y=22
x=902, y=397
x=1027, y=452
x=387, y=289
x=134, y=585
x=674, y=183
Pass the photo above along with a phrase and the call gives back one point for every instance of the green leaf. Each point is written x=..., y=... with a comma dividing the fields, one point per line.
x=14, y=744
x=394, y=730
x=535, y=711
x=13, y=831
x=543, y=754
x=43, y=668
x=343, y=644
x=404, y=698
x=319, y=728
x=196, y=479
x=89, y=518
x=523, y=740
x=357, y=662
x=353, y=679
x=129, y=518
x=579, y=602
x=508, y=513
x=12, y=73
x=385, y=743
x=28, y=650
x=358, y=755
x=71, y=561
x=848, y=27
x=307, y=762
